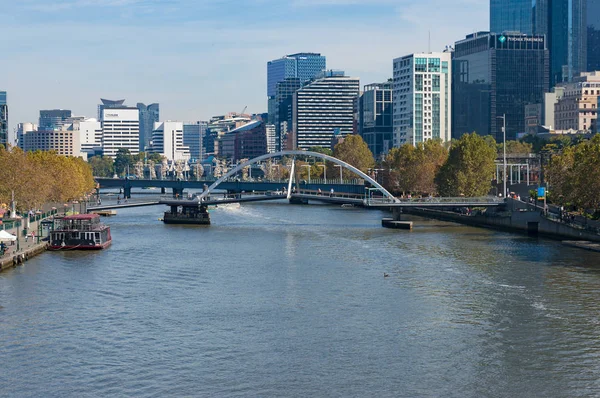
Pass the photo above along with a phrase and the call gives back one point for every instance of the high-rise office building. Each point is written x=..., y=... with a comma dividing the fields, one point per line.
x=167, y=140
x=120, y=130
x=422, y=104
x=3, y=119
x=565, y=23
x=245, y=142
x=149, y=114
x=109, y=104
x=286, y=75
x=282, y=118
x=375, y=117
x=90, y=135
x=322, y=107
x=54, y=119
x=496, y=75
x=593, y=36
x=193, y=135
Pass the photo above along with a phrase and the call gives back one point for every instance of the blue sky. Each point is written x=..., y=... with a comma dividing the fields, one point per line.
x=199, y=58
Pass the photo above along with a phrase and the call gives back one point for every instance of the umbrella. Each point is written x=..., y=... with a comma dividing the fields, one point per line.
x=7, y=237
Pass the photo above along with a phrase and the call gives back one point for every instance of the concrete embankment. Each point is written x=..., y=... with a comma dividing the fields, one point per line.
x=518, y=217
x=18, y=258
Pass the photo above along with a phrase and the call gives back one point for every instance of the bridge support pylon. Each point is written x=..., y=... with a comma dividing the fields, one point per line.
x=298, y=201
x=177, y=192
x=397, y=213
x=127, y=192
x=163, y=191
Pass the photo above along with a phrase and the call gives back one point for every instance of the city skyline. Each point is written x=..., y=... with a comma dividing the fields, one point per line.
x=195, y=64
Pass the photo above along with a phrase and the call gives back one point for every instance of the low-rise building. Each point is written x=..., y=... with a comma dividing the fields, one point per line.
x=577, y=109
x=167, y=140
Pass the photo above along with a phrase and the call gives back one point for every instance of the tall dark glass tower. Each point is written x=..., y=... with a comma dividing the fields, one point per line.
x=149, y=114
x=563, y=22
x=496, y=75
x=3, y=119
x=593, y=35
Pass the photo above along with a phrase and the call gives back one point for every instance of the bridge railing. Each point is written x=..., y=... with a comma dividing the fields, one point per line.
x=453, y=201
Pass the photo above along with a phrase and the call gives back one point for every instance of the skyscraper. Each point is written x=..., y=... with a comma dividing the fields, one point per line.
x=108, y=104
x=322, y=107
x=422, y=98
x=3, y=119
x=375, y=117
x=167, y=140
x=193, y=135
x=149, y=114
x=120, y=130
x=284, y=76
x=564, y=23
x=593, y=36
x=53, y=119
x=496, y=75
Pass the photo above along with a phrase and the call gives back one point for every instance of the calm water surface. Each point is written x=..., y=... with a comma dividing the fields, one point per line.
x=279, y=300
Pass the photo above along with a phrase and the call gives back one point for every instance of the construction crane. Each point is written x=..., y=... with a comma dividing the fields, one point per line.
x=244, y=110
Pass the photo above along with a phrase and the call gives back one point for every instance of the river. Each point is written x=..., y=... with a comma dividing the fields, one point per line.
x=280, y=300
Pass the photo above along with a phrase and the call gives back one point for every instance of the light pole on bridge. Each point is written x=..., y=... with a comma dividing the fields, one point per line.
x=324, y=171
x=340, y=166
x=307, y=165
x=503, y=117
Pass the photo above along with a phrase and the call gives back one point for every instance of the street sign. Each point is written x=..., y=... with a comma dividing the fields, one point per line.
x=541, y=193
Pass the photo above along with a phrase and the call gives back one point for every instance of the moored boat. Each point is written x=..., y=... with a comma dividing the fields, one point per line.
x=79, y=232
x=185, y=212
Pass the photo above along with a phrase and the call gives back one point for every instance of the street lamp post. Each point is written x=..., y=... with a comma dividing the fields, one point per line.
x=340, y=166
x=503, y=117
x=307, y=165
x=324, y=171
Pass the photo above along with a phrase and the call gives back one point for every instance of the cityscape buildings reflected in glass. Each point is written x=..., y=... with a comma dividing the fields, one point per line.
x=375, y=117
x=283, y=75
x=493, y=75
x=512, y=15
x=149, y=114
x=567, y=39
x=593, y=35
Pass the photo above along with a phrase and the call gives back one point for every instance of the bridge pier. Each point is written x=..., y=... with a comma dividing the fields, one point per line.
x=177, y=192
x=127, y=192
x=163, y=191
x=397, y=213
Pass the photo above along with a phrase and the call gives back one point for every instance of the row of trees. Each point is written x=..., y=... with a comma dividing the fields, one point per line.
x=466, y=168
x=574, y=175
x=105, y=166
x=35, y=178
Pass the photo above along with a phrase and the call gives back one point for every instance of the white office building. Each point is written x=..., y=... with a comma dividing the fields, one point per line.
x=90, y=135
x=120, y=129
x=167, y=140
x=422, y=98
x=271, y=142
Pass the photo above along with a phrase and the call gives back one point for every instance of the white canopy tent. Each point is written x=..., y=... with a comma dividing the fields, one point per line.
x=7, y=237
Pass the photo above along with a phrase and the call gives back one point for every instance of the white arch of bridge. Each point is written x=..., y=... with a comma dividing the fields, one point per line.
x=298, y=153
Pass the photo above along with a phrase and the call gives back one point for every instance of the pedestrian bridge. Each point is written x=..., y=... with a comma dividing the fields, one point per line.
x=373, y=196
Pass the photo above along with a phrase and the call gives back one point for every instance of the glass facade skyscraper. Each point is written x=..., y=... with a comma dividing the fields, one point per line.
x=149, y=114
x=593, y=36
x=3, y=119
x=496, y=75
x=53, y=119
x=375, y=117
x=282, y=74
x=422, y=98
x=565, y=23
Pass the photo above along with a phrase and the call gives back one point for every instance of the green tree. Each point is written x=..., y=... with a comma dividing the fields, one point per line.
x=354, y=150
x=469, y=168
x=122, y=160
x=574, y=175
x=515, y=148
x=414, y=167
x=320, y=149
x=102, y=166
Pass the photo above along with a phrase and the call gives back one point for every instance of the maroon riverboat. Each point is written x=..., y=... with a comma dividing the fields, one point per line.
x=79, y=232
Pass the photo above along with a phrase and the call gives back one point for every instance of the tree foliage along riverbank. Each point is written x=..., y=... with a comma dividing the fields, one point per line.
x=430, y=168
x=574, y=175
x=42, y=177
